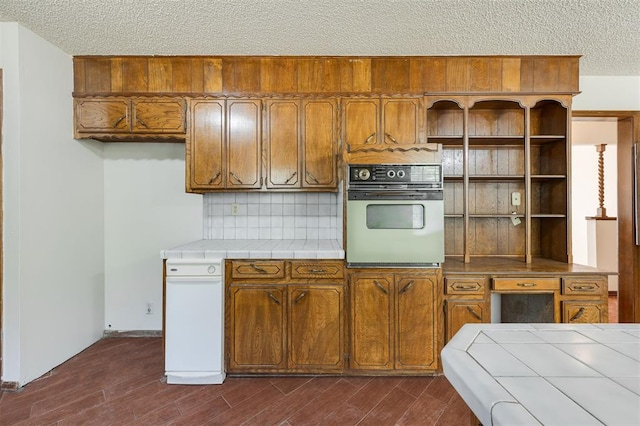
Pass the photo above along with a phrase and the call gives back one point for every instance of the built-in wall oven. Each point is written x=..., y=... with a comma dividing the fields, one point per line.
x=395, y=215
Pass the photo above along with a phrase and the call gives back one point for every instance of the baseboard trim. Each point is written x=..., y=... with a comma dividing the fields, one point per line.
x=9, y=386
x=133, y=333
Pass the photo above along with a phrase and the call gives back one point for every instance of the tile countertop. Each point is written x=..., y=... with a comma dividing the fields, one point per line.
x=256, y=249
x=550, y=374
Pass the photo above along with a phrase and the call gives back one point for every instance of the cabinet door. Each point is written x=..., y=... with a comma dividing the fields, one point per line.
x=205, y=146
x=320, y=145
x=461, y=312
x=371, y=322
x=416, y=346
x=401, y=121
x=316, y=327
x=282, y=136
x=105, y=116
x=243, y=144
x=360, y=121
x=257, y=339
x=579, y=312
x=158, y=116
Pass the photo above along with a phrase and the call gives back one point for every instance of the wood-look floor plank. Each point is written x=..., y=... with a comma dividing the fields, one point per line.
x=120, y=381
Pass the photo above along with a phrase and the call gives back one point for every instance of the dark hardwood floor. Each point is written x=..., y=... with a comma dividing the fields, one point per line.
x=118, y=381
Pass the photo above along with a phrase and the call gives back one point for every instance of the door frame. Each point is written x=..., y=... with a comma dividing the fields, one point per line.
x=628, y=251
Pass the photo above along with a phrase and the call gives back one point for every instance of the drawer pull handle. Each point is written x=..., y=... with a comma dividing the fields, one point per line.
x=584, y=287
x=380, y=286
x=142, y=122
x=371, y=136
x=122, y=117
x=317, y=271
x=391, y=138
x=236, y=178
x=474, y=313
x=300, y=297
x=272, y=297
x=313, y=178
x=290, y=177
x=527, y=284
x=257, y=268
x=214, y=178
x=577, y=314
x=462, y=286
x=407, y=287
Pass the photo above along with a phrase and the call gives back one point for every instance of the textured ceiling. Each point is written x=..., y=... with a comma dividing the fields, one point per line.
x=605, y=32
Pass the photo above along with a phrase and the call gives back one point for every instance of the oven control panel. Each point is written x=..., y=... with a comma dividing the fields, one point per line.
x=423, y=174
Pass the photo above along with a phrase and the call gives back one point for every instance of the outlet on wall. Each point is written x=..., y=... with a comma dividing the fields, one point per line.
x=515, y=199
x=149, y=309
x=235, y=209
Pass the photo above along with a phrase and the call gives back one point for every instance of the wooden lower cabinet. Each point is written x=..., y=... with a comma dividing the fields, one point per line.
x=460, y=312
x=394, y=320
x=284, y=324
x=580, y=311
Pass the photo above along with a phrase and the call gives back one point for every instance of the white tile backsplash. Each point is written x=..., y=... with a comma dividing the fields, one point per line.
x=272, y=216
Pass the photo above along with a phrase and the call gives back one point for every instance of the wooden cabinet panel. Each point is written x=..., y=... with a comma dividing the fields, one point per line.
x=282, y=135
x=587, y=286
x=205, y=149
x=320, y=143
x=278, y=320
x=325, y=269
x=316, y=327
x=243, y=144
x=103, y=115
x=526, y=284
x=257, y=327
x=581, y=311
x=158, y=115
x=465, y=285
x=371, y=322
x=416, y=346
x=401, y=121
x=360, y=121
x=393, y=320
x=269, y=269
x=460, y=312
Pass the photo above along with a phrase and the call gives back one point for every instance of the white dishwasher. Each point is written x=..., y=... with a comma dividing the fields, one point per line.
x=194, y=322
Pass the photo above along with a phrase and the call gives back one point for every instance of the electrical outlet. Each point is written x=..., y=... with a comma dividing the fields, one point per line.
x=235, y=209
x=149, y=310
x=515, y=199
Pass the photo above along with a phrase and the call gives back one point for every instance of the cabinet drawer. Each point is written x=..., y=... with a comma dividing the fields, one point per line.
x=316, y=269
x=257, y=269
x=525, y=284
x=465, y=285
x=584, y=285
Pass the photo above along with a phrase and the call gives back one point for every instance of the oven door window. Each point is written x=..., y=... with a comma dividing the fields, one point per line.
x=395, y=216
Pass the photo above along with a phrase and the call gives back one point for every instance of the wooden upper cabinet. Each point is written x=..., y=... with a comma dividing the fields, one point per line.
x=244, y=133
x=301, y=143
x=102, y=115
x=205, y=147
x=158, y=115
x=282, y=137
x=132, y=119
x=383, y=121
x=223, y=148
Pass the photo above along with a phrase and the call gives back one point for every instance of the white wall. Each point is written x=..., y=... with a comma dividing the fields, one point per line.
x=53, y=231
x=608, y=93
x=146, y=210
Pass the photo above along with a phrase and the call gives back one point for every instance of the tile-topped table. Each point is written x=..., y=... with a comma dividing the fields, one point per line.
x=549, y=374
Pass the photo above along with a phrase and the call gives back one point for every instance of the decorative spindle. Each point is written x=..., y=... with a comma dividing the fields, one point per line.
x=602, y=212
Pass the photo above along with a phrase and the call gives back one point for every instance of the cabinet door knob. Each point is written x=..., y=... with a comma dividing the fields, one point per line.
x=299, y=297
x=122, y=117
x=474, y=313
x=272, y=297
x=371, y=136
x=527, y=284
x=577, y=314
x=237, y=179
x=290, y=177
x=257, y=268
